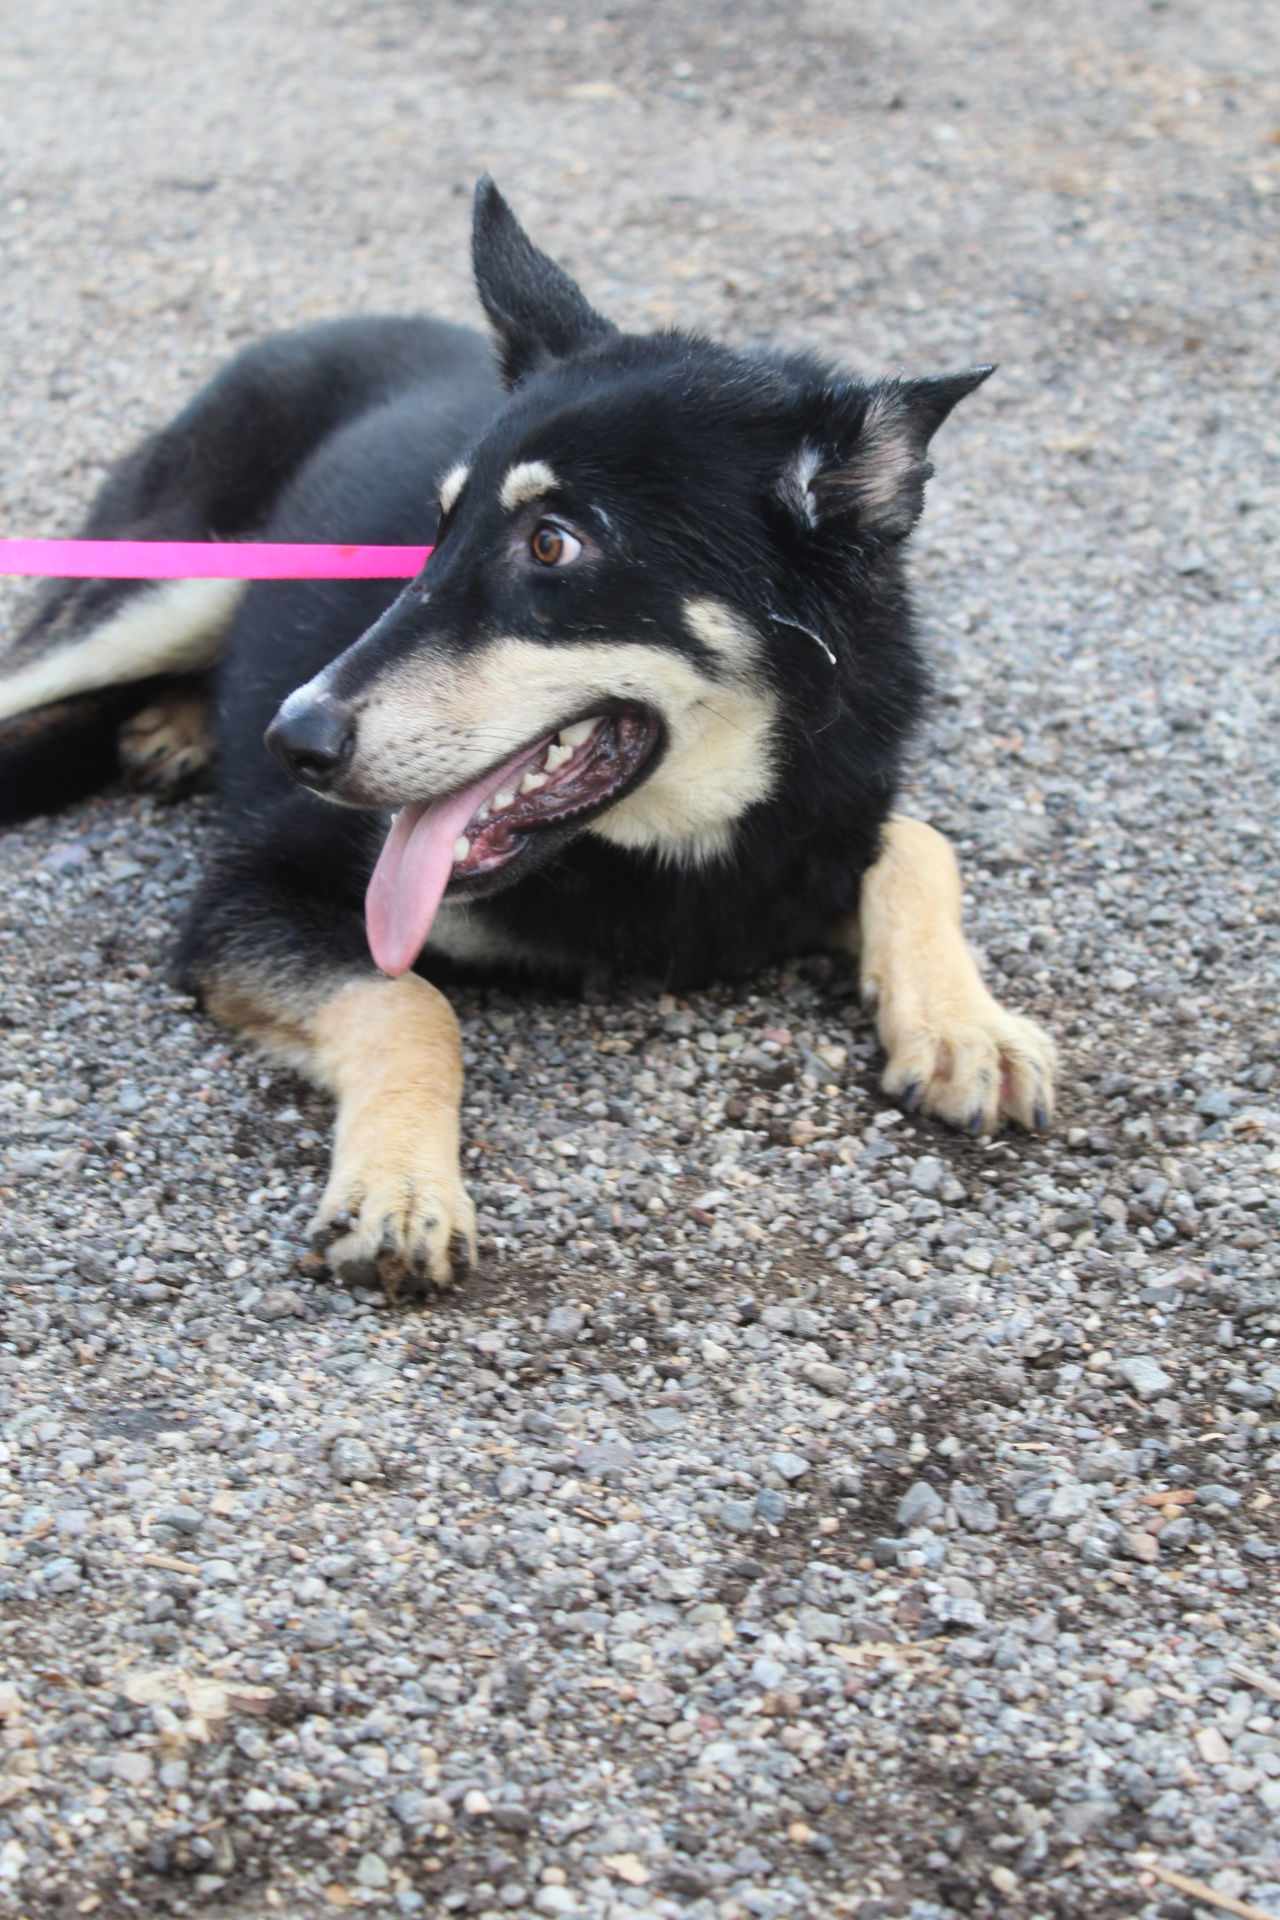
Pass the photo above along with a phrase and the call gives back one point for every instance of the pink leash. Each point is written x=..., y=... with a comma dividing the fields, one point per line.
x=207, y=560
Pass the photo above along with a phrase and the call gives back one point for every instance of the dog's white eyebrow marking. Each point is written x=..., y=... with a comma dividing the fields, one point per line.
x=452, y=484
x=527, y=480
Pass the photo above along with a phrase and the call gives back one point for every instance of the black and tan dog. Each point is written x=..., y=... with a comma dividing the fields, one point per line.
x=641, y=717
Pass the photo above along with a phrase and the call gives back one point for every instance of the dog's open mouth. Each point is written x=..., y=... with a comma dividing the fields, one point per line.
x=463, y=841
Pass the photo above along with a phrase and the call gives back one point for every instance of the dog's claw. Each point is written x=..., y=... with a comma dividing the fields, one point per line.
x=978, y=1067
x=401, y=1231
x=323, y=1232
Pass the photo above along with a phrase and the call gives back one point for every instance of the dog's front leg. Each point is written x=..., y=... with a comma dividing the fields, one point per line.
x=395, y=1208
x=953, y=1051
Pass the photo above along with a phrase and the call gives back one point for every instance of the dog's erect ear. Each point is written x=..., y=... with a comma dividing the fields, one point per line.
x=877, y=474
x=537, y=312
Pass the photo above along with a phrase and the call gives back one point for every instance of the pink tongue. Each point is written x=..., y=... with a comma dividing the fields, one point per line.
x=412, y=873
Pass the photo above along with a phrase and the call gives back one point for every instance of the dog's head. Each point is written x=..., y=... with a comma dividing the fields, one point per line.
x=654, y=561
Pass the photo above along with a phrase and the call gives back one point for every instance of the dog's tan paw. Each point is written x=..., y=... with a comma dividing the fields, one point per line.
x=974, y=1068
x=411, y=1227
x=167, y=746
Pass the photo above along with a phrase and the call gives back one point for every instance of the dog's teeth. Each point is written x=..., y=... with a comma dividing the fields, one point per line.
x=461, y=848
x=532, y=782
x=503, y=800
x=575, y=735
x=556, y=757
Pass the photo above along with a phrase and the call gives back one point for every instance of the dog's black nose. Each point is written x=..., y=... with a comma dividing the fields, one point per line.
x=313, y=742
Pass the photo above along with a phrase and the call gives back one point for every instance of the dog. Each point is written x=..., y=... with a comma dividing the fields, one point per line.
x=641, y=717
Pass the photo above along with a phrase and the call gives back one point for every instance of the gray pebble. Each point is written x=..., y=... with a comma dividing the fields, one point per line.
x=353, y=1459
x=278, y=1303
x=920, y=1504
x=1144, y=1375
x=973, y=1510
x=181, y=1519
x=562, y=1325
x=604, y=1457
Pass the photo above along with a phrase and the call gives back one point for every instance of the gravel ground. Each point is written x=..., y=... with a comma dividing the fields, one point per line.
x=804, y=1512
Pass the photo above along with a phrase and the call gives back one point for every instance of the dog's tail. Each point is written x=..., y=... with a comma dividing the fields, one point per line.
x=96, y=656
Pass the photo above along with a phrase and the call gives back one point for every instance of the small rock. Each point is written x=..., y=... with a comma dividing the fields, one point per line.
x=1085, y=1818
x=927, y=1174
x=686, y=1881
x=562, y=1325
x=1068, y=1502
x=737, y=1515
x=815, y=1624
x=555, y=1900
x=1212, y=1748
x=599, y=1457
x=955, y=1610
x=410, y=1807
x=353, y=1459
x=181, y=1519
x=664, y=1420
x=789, y=1465
x=73, y=853
x=372, y=1871
x=771, y=1505
x=826, y=1378
x=920, y=1504
x=973, y=1510
x=1144, y=1375
x=279, y=1303
x=1250, y=1393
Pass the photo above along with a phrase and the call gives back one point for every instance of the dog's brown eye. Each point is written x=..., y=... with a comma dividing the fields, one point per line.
x=551, y=546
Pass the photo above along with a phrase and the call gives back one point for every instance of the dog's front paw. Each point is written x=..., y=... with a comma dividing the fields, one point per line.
x=409, y=1225
x=974, y=1067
